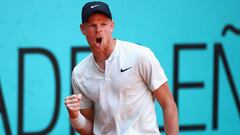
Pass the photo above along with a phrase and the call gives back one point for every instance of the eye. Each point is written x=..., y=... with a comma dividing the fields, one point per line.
x=92, y=25
x=104, y=24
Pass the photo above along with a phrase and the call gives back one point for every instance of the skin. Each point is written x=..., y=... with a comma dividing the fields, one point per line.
x=100, y=26
x=170, y=113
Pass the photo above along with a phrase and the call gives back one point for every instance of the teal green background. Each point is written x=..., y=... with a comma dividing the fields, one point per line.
x=157, y=24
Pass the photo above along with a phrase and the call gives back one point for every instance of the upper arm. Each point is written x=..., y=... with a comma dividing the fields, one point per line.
x=170, y=113
x=163, y=95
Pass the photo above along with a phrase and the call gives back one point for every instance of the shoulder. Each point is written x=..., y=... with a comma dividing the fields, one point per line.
x=133, y=48
x=81, y=66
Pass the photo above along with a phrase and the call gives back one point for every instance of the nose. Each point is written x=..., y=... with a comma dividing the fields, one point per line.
x=98, y=29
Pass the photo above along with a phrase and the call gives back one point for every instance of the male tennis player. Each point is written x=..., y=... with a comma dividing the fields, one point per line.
x=116, y=85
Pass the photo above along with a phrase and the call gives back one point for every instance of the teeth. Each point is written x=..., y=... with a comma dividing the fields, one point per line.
x=99, y=40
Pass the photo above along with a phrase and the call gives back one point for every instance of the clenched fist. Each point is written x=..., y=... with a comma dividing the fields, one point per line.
x=72, y=104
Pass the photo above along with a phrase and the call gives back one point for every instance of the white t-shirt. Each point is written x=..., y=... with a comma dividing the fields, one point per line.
x=122, y=94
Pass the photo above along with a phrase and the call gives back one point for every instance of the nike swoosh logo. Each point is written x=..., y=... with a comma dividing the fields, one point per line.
x=94, y=6
x=123, y=70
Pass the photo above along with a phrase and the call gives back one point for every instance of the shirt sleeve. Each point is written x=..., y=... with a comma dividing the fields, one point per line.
x=151, y=70
x=85, y=102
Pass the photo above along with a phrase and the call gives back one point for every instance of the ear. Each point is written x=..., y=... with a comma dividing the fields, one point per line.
x=112, y=26
x=82, y=28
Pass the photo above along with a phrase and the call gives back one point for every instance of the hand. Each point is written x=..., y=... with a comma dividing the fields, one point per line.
x=72, y=104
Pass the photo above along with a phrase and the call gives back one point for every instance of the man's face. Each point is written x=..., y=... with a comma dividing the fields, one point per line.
x=98, y=31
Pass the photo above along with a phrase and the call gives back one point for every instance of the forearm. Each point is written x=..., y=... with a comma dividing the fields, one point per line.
x=81, y=124
x=87, y=129
x=171, y=125
x=80, y=121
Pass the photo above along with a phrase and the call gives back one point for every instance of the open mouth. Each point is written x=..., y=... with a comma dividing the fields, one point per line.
x=99, y=41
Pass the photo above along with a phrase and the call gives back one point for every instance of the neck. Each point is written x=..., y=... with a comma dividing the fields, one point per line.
x=102, y=55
